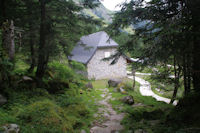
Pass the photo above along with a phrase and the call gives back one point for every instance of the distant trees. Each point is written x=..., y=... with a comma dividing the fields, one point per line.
x=170, y=35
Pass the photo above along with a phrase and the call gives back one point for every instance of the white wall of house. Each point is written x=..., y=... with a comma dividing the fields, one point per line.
x=99, y=69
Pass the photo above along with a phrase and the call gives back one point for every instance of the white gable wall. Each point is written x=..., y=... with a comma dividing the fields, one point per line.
x=99, y=69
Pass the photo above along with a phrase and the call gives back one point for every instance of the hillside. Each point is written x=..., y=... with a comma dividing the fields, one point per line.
x=100, y=12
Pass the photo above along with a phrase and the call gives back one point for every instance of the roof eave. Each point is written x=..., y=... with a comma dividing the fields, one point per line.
x=107, y=46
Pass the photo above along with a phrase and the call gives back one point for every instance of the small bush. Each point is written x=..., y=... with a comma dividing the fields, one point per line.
x=64, y=100
x=187, y=111
x=46, y=116
x=77, y=66
x=61, y=72
x=128, y=86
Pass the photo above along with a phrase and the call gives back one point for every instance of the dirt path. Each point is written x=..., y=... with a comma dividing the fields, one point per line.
x=109, y=120
x=145, y=90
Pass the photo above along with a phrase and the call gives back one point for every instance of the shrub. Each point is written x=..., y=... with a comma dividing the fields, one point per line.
x=6, y=118
x=81, y=113
x=69, y=98
x=128, y=86
x=46, y=116
x=77, y=66
x=187, y=111
x=61, y=72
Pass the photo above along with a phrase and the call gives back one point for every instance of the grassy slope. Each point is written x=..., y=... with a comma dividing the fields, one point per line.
x=138, y=117
x=37, y=110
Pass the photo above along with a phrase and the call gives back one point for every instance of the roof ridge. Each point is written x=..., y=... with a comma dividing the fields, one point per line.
x=101, y=35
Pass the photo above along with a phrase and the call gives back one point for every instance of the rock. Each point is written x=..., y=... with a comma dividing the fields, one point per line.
x=11, y=128
x=3, y=100
x=89, y=85
x=139, y=131
x=122, y=90
x=26, y=78
x=83, y=131
x=114, y=82
x=128, y=100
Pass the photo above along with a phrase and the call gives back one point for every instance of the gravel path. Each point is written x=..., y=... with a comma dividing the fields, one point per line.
x=111, y=120
x=145, y=90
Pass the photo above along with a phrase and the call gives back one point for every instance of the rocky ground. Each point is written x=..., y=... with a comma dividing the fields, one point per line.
x=108, y=121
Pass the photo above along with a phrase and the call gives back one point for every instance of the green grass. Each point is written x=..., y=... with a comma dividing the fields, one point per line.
x=21, y=65
x=139, y=117
x=100, y=84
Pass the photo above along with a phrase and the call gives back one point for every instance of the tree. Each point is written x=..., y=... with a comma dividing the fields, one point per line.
x=168, y=29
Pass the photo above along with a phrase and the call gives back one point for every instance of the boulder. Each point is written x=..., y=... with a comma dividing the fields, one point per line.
x=128, y=100
x=11, y=128
x=89, y=85
x=113, y=82
x=122, y=90
x=3, y=100
x=26, y=78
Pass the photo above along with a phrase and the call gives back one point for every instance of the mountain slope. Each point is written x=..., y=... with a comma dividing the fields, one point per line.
x=99, y=13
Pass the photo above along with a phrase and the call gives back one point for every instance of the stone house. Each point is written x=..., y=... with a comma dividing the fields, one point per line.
x=91, y=49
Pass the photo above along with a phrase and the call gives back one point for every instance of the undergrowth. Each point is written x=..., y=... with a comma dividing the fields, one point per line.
x=62, y=105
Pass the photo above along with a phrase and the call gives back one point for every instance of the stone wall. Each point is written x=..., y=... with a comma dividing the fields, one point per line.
x=99, y=69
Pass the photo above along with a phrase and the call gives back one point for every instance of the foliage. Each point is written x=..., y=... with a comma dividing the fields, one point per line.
x=77, y=66
x=165, y=33
x=186, y=112
x=69, y=98
x=61, y=72
x=5, y=117
x=36, y=109
x=46, y=116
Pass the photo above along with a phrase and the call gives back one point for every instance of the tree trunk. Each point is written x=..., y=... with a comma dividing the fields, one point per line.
x=176, y=81
x=8, y=39
x=196, y=64
x=189, y=72
x=42, y=52
x=2, y=13
x=32, y=66
x=186, y=74
x=194, y=9
x=12, y=41
x=133, y=73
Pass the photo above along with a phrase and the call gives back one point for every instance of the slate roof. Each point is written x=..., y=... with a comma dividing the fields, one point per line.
x=87, y=46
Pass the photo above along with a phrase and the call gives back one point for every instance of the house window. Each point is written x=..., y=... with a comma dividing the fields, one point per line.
x=107, y=54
